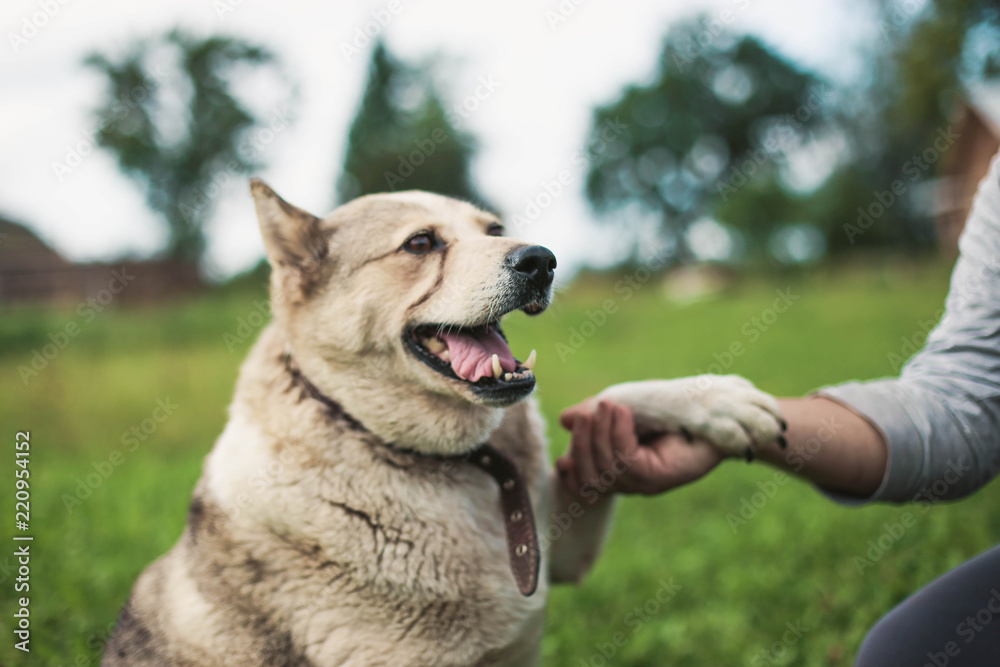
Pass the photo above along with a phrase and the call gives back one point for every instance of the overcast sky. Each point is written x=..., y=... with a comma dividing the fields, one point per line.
x=547, y=77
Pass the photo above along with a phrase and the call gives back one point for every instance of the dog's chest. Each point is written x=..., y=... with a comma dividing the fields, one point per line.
x=417, y=554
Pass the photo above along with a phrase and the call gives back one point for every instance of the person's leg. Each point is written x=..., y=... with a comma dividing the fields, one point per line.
x=953, y=621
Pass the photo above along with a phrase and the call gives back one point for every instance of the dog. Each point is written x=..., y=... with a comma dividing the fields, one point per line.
x=381, y=494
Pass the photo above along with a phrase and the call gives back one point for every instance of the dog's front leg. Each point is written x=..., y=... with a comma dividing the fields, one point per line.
x=576, y=530
x=571, y=527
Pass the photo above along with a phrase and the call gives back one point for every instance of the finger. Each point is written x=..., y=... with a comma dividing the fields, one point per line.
x=602, y=446
x=571, y=480
x=581, y=448
x=567, y=417
x=563, y=464
x=626, y=443
x=570, y=414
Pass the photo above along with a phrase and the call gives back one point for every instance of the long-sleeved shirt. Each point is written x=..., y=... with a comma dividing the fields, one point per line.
x=941, y=417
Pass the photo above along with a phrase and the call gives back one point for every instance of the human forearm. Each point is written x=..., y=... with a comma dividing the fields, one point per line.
x=829, y=445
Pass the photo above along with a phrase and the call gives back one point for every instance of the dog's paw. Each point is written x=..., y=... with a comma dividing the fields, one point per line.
x=727, y=411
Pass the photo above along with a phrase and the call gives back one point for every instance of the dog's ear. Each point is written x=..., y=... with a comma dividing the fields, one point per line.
x=292, y=237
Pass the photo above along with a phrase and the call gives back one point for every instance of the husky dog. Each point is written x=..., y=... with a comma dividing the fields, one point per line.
x=373, y=498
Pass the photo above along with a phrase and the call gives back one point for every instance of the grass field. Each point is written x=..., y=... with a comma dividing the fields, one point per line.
x=99, y=518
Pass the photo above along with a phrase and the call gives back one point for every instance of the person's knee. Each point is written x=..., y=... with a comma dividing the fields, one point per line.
x=874, y=647
x=908, y=636
x=887, y=641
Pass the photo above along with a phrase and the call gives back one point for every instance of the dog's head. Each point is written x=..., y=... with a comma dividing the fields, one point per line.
x=407, y=288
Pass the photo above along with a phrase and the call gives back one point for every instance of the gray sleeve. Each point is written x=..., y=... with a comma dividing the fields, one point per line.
x=941, y=417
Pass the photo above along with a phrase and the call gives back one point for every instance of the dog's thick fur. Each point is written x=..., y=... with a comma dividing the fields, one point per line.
x=318, y=537
x=313, y=541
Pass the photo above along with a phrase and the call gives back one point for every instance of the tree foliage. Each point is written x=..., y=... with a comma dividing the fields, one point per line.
x=402, y=138
x=717, y=98
x=174, y=124
x=720, y=111
x=920, y=70
x=930, y=58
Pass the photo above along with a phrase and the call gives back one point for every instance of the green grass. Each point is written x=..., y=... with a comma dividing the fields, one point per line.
x=793, y=562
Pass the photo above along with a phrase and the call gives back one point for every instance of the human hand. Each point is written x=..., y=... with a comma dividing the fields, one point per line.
x=605, y=454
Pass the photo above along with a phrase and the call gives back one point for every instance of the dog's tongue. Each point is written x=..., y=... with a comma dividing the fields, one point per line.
x=472, y=353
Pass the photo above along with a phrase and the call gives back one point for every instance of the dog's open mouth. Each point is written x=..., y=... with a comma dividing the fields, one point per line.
x=477, y=355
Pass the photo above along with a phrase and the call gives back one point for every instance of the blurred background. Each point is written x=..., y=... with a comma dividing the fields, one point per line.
x=760, y=187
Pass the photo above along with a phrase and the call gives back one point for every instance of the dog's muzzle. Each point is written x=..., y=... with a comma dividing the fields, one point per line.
x=478, y=353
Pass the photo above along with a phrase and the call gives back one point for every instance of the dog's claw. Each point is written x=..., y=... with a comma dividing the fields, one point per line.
x=782, y=442
x=749, y=454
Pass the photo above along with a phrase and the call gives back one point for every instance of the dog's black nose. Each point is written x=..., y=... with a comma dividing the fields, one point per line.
x=534, y=262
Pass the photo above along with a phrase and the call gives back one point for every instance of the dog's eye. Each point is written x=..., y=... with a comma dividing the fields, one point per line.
x=495, y=230
x=419, y=244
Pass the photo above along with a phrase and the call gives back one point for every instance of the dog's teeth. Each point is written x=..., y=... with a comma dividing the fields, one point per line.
x=435, y=345
x=530, y=362
x=497, y=369
x=508, y=376
x=445, y=355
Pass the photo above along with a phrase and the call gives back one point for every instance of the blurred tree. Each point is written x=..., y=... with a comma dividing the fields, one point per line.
x=171, y=120
x=759, y=208
x=696, y=138
x=927, y=55
x=403, y=139
x=721, y=112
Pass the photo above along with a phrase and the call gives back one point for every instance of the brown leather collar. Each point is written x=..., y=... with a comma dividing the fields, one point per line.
x=515, y=502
